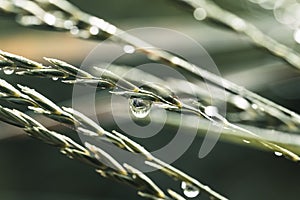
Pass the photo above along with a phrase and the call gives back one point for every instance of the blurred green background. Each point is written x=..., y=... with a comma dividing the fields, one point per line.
x=32, y=170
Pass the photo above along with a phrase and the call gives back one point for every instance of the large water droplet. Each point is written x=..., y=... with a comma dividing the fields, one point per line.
x=189, y=190
x=8, y=70
x=55, y=78
x=139, y=107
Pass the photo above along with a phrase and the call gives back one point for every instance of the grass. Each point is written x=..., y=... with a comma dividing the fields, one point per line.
x=86, y=26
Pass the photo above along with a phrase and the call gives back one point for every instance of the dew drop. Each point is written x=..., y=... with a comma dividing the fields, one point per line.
x=8, y=70
x=254, y=106
x=74, y=30
x=200, y=14
x=68, y=24
x=63, y=151
x=129, y=49
x=94, y=30
x=55, y=78
x=139, y=107
x=189, y=190
x=246, y=141
x=278, y=153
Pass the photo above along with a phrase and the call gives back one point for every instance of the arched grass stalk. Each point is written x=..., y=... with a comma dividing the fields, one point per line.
x=86, y=26
x=87, y=127
x=78, y=23
x=238, y=24
x=69, y=74
x=89, y=154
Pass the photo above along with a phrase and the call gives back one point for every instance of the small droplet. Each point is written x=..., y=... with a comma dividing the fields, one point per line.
x=8, y=70
x=129, y=49
x=189, y=190
x=139, y=107
x=200, y=14
x=254, y=106
x=277, y=153
x=63, y=151
x=246, y=141
x=94, y=30
x=74, y=30
x=55, y=78
x=68, y=24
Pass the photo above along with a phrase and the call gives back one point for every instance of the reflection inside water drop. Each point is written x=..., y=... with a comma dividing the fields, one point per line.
x=189, y=190
x=139, y=107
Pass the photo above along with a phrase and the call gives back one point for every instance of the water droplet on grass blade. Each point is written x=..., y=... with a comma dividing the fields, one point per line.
x=94, y=30
x=200, y=14
x=74, y=30
x=189, y=190
x=278, y=153
x=139, y=107
x=246, y=141
x=129, y=49
x=55, y=78
x=68, y=24
x=254, y=106
x=8, y=70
